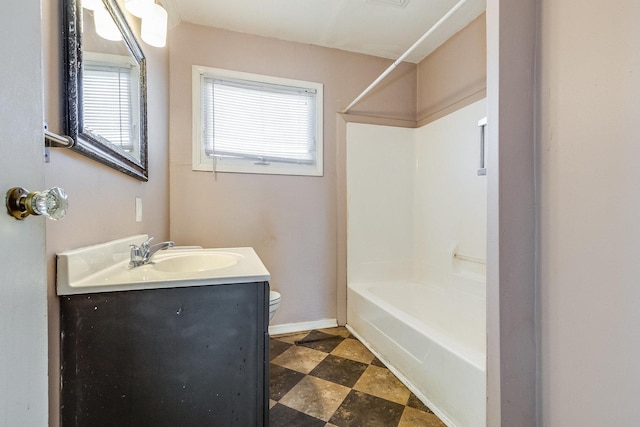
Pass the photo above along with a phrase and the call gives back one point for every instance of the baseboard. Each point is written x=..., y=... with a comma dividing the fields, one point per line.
x=288, y=328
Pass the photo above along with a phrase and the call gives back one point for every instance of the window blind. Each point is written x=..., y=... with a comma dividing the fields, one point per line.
x=261, y=121
x=107, y=109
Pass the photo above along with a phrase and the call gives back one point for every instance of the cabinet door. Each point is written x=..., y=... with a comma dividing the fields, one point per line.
x=165, y=357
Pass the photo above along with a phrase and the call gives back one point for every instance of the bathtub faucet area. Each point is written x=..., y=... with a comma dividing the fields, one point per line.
x=141, y=255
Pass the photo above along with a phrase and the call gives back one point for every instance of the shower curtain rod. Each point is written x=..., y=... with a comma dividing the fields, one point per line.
x=404, y=55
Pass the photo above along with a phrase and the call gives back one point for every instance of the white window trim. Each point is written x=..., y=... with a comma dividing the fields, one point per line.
x=202, y=162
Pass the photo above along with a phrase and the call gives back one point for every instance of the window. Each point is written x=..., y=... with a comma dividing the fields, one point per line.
x=256, y=124
x=108, y=94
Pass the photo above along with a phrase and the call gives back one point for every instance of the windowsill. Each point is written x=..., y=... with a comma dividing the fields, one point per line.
x=251, y=168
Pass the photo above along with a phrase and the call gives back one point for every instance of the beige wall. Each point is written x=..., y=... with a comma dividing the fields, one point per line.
x=101, y=200
x=289, y=220
x=589, y=196
x=455, y=74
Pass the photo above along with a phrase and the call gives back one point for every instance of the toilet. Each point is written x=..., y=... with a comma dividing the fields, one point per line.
x=274, y=303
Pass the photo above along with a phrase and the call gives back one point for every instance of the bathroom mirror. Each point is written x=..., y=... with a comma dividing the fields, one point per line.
x=105, y=86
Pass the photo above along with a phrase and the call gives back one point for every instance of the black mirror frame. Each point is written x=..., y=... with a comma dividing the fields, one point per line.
x=86, y=144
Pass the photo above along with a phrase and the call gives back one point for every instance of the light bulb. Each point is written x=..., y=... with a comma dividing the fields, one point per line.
x=105, y=25
x=92, y=4
x=139, y=8
x=154, y=26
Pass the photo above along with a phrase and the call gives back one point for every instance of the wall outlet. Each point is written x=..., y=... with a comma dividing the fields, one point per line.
x=138, y=209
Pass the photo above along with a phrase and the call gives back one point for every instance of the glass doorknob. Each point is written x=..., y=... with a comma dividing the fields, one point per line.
x=52, y=203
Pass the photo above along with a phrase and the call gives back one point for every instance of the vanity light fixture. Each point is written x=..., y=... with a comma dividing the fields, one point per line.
x=154, y=20
x=92, y=4
x=154, y=26
x=139, y=8
x=105, y=25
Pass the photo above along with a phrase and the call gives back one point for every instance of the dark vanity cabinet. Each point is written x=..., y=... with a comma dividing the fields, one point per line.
x=191, y=356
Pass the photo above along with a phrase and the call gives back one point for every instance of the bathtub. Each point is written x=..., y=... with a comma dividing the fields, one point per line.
x=432, y=337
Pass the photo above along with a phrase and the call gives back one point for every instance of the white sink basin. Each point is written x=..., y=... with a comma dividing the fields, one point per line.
x=194, y=261
x=105, y=268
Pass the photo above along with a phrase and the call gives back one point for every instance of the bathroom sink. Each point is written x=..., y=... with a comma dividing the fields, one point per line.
x=194, y=261
x=105, y=268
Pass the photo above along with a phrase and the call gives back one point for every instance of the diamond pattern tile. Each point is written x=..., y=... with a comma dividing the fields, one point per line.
x=316, y=397
x=353, y=349
x=281, y=380
x=382, y=383
x=301, y=359
x=321, y=341
x=364, y=410
x=339, y=370
x=327, y=378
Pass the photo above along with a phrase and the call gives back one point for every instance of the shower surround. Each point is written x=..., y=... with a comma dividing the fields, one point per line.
x=416, y=249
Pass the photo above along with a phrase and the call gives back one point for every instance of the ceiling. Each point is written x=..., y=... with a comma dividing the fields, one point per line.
x=381, y=28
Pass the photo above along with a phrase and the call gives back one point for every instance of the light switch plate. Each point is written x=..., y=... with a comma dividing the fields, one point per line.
x=138, y=209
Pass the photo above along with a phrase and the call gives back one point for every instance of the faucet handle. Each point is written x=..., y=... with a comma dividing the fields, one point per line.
x=145, y=245
x=135, y=255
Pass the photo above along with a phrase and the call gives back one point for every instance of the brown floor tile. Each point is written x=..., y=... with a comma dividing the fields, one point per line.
x=377, y=362
x=291, y=338
x=283, y=416
x=320, y=341
x=416, y=403
x=301, y=359
x=315, y=397
x=310, y=385
x=414, y=418
x=340, y=331
x=353, y=349
x=277, y=347
x=382, y=383
x=339, y=370
x=363, y=410
x=281, y=380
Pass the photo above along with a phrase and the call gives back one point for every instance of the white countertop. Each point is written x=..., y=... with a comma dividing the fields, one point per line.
x=105, y=268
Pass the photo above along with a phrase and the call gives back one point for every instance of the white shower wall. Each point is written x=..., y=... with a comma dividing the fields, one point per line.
x=450, y=199
x=415, y=199
x=380, y=183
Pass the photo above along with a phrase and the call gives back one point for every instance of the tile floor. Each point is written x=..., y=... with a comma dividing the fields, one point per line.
x=329, y=379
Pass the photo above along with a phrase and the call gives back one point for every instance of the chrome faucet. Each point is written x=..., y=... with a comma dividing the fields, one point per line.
x=141, y=255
